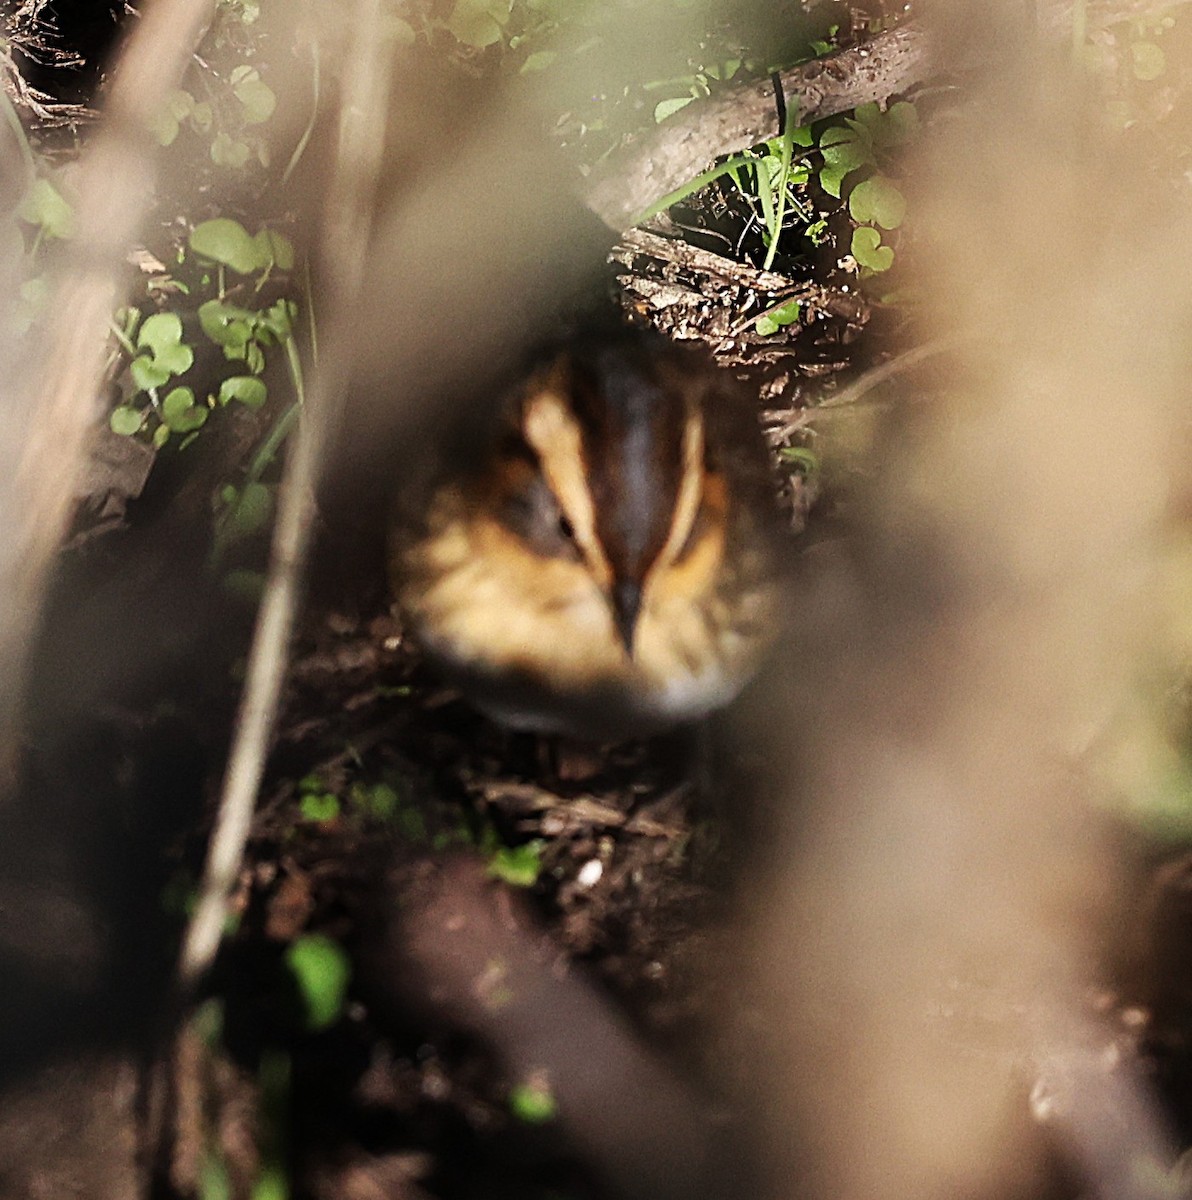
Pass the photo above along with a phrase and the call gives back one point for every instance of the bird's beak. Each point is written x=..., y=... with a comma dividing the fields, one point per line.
x=627, y=603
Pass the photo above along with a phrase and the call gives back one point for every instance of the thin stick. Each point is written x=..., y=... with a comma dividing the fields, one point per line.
x=856, y=390
x=347, y=228
x=889, y=369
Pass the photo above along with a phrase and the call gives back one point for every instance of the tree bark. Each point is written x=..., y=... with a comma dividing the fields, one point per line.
x=665, y=157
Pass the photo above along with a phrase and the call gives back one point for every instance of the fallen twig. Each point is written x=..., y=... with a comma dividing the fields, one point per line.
x=849, y=396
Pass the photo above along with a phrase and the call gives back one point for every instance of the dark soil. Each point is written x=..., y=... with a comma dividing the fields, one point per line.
x=389, y=813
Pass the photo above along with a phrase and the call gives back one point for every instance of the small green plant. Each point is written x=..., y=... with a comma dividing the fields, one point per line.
x=215, y=1181
x=389, y=801
x=518, y=866
x=228, y=118
x=701, y=83
x=321, y=970
x=50, y=215
x=381, y=802
x=247, y=12
x=864, y=143
x=695, y=86
x=45, y=208
x=275, y=1079
x=826, y=44
x=160, y=404
x=862, y=139
x=774, y=176
x=532, y=1101
x=1126, y=58
x=478, y=23
x=33, y=296
x=180, y=108
x=245, y=334
x=778, y=317
x=767, y=174
x=244, y=512
x=159, y=351
x=801, y=459
x=475, y=26
x=315, y=802
x=775, y=181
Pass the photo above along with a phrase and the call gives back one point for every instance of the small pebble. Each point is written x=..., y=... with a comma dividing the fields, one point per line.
x=589, y=874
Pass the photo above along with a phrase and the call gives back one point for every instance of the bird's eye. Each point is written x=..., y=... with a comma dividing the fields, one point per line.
x=531, y=511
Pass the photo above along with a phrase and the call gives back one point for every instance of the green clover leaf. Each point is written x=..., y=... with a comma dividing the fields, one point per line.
x=227, y=326
x=773, y=321
x=478, y=23
x=226, y=241
x=666, y=108
x=227, y=151
x=319, y=807
x=274, y=249
x=180, y=413
x=246, y=389
x=901, y=124
x=148, y=373
x=518, y=866
x=877, y=201
x=45, y=207
x=257, y=97
x=126, y=420
x=250, y=509
x=868, y=250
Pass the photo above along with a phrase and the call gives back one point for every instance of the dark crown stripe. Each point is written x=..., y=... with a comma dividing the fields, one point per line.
x=632, y=429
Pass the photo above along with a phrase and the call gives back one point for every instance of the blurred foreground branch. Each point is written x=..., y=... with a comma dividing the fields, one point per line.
x=953, y=664
x=49, y=396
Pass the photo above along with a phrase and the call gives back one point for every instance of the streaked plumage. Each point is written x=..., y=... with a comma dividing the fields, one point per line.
x=607, y=564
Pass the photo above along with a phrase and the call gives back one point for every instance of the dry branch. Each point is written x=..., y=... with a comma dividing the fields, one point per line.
x=684, y=254
x=666, y=157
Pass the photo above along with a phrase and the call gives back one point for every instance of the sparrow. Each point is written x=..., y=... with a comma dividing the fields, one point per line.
x=605, y=563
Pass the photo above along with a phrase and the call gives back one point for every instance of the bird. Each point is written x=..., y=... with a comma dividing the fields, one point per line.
x=605, y=564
